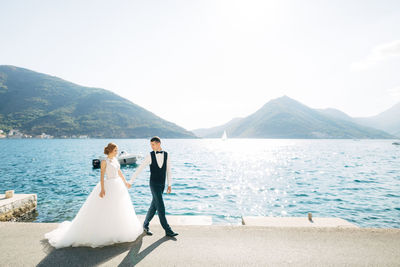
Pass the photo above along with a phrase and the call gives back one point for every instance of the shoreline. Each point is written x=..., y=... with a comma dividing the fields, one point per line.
x=23, y=208
x=288, y=225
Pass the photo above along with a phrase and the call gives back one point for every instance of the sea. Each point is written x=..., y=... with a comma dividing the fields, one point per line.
x=357, y=180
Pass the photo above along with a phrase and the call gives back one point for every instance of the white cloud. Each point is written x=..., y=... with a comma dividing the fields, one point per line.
x=379, y=53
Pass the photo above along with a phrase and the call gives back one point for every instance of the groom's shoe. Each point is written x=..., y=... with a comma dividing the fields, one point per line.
x=148, y=232
x=171, y=233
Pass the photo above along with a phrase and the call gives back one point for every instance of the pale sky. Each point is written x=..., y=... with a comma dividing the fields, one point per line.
x=201, y=63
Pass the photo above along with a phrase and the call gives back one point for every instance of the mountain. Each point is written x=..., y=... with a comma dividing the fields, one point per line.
x=287, y=118
x=335, y=113
x=388, y=120
x=34, y=103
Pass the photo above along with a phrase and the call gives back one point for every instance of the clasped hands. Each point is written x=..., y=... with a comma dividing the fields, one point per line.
x=129, y=185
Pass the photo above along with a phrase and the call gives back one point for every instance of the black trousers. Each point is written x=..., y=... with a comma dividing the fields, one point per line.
x=157, y=204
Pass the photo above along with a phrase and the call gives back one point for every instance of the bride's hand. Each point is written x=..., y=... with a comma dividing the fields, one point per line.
x=102, y=193
x=128, y=185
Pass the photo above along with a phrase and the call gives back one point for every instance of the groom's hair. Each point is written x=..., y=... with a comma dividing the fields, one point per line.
x=155, y=139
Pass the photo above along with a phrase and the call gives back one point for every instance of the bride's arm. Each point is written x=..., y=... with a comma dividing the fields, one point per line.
x=123, y=178
x=103, y=168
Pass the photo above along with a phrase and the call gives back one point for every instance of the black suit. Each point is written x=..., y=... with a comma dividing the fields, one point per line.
x=157, y=185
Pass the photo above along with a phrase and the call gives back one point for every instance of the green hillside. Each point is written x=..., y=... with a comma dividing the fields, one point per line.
x=287, y=118
x=35, y=103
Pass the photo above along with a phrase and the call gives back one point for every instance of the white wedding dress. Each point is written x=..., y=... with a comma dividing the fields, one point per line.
x=101, y=221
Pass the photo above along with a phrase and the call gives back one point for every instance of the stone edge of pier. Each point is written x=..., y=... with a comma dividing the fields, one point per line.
x=16, y=207
x=296, y=222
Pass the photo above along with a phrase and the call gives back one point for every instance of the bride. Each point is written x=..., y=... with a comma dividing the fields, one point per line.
x=106, y=217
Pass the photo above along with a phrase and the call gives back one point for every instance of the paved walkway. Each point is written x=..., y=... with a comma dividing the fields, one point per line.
x=22, y=244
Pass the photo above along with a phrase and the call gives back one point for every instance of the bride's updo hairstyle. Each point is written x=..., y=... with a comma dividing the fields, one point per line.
x=110, y=147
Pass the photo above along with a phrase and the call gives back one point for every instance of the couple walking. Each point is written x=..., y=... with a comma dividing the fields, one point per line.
x=108, y=216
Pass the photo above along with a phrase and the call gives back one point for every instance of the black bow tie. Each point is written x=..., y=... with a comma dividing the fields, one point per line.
x=159, y=152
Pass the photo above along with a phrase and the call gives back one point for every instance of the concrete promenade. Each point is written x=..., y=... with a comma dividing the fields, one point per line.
x=23, y=244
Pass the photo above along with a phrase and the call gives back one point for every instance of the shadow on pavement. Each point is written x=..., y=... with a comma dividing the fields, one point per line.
x=87, y=256
x=134, y=257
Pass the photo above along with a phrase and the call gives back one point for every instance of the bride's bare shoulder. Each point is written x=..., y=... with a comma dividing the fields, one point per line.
x=103, y=163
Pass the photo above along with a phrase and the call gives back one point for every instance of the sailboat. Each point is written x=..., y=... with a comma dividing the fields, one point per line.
x=224, y=136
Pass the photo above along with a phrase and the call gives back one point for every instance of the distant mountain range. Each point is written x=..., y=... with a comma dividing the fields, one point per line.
x=36, y=103
x=388, y=121
x=287, y=118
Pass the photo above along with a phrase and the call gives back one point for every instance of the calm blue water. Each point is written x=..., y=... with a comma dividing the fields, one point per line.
x=356, y=180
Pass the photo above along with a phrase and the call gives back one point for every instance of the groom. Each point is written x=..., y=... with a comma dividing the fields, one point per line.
x=160, y=168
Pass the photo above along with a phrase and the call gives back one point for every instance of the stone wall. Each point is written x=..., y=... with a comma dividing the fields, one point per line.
x=20, y=207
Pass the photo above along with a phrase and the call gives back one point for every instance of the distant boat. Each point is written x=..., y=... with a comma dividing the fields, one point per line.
x=224, y=137
x=124, y=158
x=396, y=143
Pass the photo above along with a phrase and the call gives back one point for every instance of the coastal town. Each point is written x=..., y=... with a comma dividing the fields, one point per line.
x=16, y=134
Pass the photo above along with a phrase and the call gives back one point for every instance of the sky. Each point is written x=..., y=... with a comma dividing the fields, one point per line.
x=201, y=63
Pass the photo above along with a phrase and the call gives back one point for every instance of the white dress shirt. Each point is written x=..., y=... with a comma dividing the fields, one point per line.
x=147, y=162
